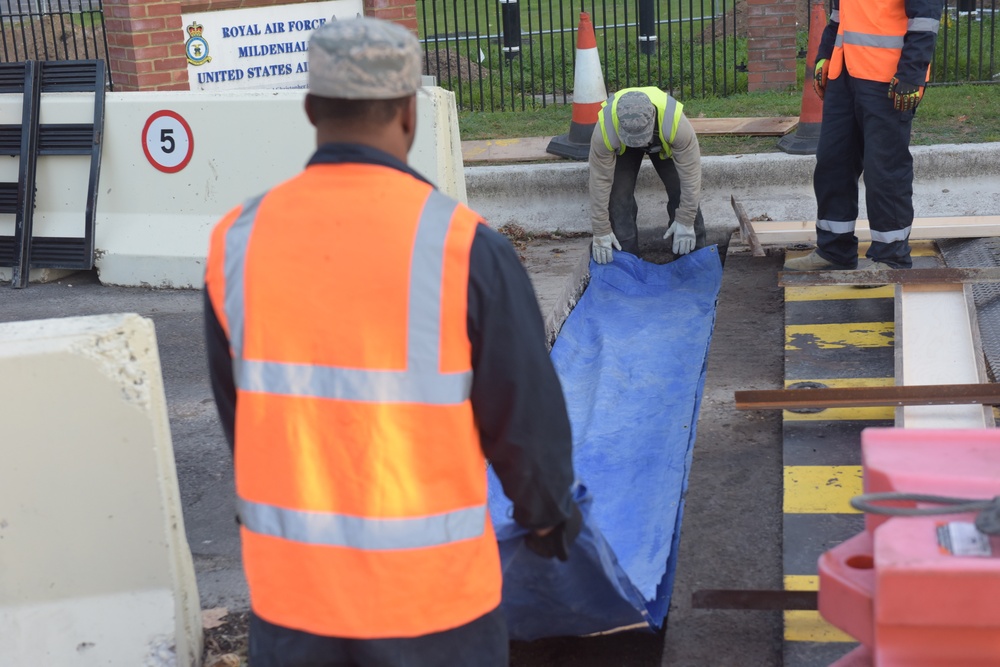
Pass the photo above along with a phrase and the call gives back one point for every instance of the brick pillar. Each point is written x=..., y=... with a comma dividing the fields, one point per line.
x=772, y=45
x=403, y=12
x=146, y=44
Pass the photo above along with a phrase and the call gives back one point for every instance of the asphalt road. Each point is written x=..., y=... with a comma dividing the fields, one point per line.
x=731, y=534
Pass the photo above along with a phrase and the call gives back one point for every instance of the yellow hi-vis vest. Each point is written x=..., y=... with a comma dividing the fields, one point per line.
x=666, y=107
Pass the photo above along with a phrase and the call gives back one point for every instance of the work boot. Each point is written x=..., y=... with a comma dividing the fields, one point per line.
x=876, y=267
x=813, y=262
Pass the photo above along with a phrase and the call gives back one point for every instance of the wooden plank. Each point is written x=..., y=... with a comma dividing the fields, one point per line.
x=937, y=344
x=746, y=229
x=928, y=279
x=851, y=397
x=804, y=231
x=532, y=149
x=761, y=127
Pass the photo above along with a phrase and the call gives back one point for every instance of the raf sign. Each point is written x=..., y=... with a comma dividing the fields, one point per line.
x=263, y=47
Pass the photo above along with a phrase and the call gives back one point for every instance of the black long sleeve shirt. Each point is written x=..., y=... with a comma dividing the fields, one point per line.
x=516, y=396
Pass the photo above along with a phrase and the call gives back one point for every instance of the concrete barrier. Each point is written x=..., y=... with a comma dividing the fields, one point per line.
x=95, y=568
x=950, y=180
x=153, y=222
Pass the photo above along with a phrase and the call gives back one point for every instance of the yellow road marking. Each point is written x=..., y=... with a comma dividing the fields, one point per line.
x=809, y=626
x=839, y=336
x=821, y=489
x=844, y=414
x=880, y=413
x=801, y=582
x=838, y=292
x=840, y=383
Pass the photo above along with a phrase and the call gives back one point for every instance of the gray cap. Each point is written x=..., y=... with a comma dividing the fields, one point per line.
x=363, y=59
x=636, y=115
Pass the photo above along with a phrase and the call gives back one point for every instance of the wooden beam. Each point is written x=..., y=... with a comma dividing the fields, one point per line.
x=747, y=234
x=804, y=231
x=937, y=343
x=863, y=397
x=944, y=276
x=761, y=127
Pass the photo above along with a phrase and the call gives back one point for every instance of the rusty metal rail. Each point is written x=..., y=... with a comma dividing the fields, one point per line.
x=761, y=600
x=857, y=397
x=888, y=276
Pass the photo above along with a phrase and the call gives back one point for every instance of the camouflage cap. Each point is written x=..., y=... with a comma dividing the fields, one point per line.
x=363, y=59
x=636, y=115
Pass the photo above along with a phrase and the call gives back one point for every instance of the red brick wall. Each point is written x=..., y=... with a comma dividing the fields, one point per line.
x=772, y=45
x=146, y=44
x=403, y=12
x=146, y=37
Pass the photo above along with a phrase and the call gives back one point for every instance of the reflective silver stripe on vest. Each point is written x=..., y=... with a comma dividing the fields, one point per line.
x=891, y=237
x=923, y=25
x=353, y=532
x=609, y=124
x=835, y=16
x=234, y=268
x=867, y=39
x=420, y=382
x=836, y=226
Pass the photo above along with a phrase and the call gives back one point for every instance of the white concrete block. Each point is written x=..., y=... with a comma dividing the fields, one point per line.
x=95, y=568
x=153, y=225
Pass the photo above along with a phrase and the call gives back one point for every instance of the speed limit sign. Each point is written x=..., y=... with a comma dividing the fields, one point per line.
x=167, y=141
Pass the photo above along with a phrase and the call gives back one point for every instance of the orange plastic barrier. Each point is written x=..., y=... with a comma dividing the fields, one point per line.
x=920, y=591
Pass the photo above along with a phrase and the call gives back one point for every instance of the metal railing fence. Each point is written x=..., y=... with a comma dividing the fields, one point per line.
x=53, y=30
x=518, y=55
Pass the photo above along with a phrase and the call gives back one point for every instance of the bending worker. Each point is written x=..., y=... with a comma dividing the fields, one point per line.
x=363, y=386
x=871, y=69
x=632, y=123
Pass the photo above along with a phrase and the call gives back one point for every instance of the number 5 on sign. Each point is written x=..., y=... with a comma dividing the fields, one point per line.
x=167, y=141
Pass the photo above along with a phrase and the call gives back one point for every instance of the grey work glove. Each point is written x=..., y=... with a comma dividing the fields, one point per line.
x=683, y=237
x=601, y=250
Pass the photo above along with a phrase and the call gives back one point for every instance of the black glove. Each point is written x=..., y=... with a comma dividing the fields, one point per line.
x=904, y=96
x=556, y=543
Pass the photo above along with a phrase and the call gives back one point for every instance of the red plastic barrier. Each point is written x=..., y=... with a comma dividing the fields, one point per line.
x=901, y=588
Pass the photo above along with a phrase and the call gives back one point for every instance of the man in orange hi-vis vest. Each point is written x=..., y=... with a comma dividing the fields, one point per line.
x=364, y=386
x=871, y=69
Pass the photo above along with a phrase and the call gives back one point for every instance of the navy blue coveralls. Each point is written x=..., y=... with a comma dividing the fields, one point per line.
x=861, y=132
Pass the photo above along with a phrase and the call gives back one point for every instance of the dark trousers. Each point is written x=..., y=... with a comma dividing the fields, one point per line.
x=623, y=209
x=861, y=132
x=483, y=642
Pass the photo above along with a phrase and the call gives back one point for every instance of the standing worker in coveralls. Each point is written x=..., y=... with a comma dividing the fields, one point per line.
x=633, y=123
x=365, y=383
x=870, y=71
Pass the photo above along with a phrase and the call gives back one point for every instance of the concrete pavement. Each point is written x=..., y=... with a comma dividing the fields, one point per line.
x=731, y=535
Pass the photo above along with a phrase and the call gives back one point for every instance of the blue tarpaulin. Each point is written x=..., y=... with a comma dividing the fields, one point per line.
x=631, y=358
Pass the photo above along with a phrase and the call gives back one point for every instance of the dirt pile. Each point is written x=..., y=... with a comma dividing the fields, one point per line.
x=51, y=37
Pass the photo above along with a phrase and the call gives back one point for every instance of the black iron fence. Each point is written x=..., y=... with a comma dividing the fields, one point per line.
x=520, y=54
x=53, y=30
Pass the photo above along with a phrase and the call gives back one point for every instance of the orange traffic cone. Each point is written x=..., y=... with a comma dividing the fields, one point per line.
x=588, y=93
x=806, y=137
